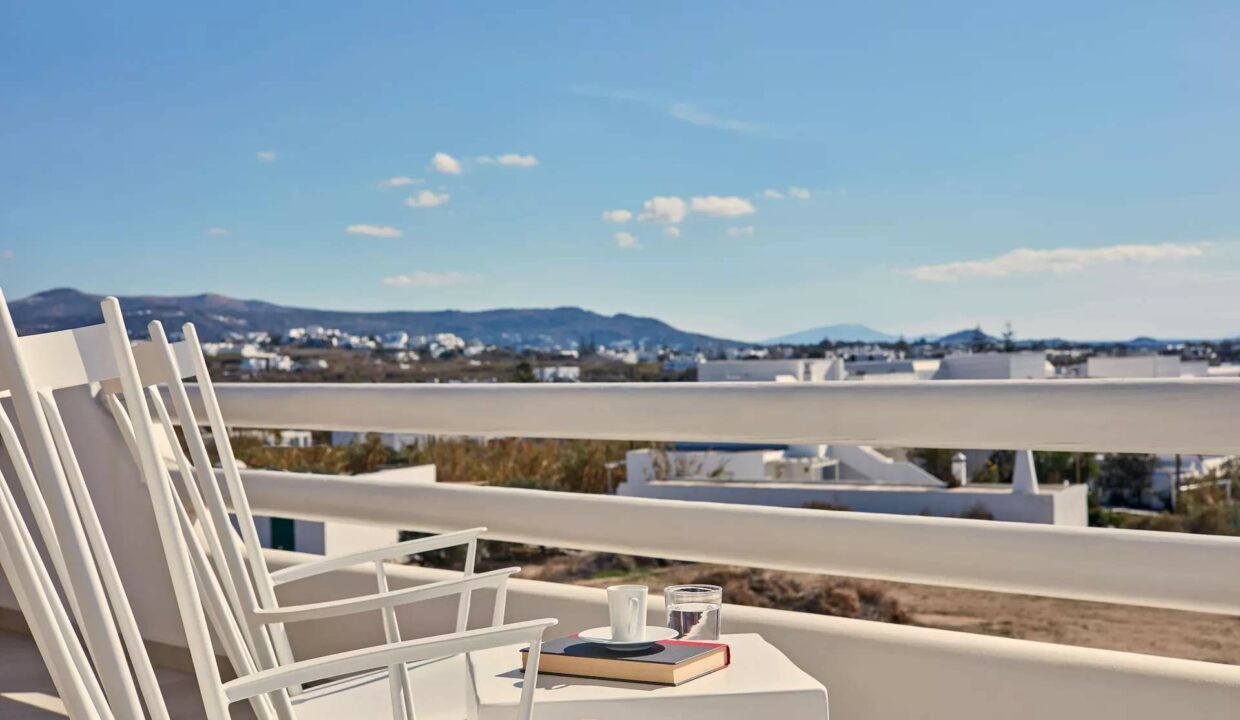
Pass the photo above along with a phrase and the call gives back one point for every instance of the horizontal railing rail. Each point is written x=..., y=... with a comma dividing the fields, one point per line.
x=1138, y=568
x=1191, y=416
x=1169, y=570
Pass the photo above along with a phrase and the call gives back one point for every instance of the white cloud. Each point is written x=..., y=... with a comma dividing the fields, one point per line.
x=400, y=181
x=446, y=164
x=627, y=241
x=266, y=156
x=730, y=206
x=740, y=231
x=427, y=199
x=217, y=231
x=509, y=159
x=671, y=231
x=617, y=216
x=1058, y=260
x=424, y=279
x=666, y=209
x=379, y=231
x=799, y=193
x=6, y=254
x=695, y=116
x=515, y=160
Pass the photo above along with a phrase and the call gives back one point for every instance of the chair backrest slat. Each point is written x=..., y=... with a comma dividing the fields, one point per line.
x=91, y=604
x=176, y=550
x=211, y=519
x=249, y=577
x=46, y=616
x=143, y=670
x=223, y=620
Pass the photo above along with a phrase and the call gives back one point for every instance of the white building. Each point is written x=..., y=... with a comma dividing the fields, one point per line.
x=398, y=340
x=558, y=373
x=858, y=477
x=994, y=366
x=752, y=477
x=311, y=364
x=1133, y=366
x=280, y=438
x=256, y=361
x=812, y=370
x=395, y=441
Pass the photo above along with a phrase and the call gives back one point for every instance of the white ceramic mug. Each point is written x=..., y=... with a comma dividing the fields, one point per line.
x=627, y=607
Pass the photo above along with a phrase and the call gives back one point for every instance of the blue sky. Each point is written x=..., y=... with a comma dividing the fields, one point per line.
x=1073, y=168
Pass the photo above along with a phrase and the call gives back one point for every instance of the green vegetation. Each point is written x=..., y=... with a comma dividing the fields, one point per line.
x=1124, y=477
x=1053, y=468
x=589, y=466
x=1207, y=510
x=936, y=461
x=523, y=372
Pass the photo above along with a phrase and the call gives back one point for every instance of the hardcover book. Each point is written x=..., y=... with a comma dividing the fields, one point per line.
x=670, y=662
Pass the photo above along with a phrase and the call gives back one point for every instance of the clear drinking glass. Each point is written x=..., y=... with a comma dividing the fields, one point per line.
x=693, y=610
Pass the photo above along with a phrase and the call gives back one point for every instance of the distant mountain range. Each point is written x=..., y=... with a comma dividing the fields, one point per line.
x=848, y=332
x=837, y=333
x=972, y=336
x=217, y=315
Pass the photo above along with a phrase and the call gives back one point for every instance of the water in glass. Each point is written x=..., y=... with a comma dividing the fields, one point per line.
x=693, y=610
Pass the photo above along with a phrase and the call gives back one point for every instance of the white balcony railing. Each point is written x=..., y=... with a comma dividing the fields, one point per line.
x=873, y=670
x=1175, y=571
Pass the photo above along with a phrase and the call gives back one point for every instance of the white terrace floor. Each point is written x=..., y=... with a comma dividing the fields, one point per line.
x=26, y=691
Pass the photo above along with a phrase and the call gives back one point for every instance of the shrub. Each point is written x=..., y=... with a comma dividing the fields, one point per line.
x=590, y=466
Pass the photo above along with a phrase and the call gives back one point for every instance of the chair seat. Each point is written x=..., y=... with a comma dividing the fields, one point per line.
x=440, y=692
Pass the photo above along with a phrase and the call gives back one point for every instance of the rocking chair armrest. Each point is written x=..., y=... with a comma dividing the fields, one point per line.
x=390, y=599
x=408, y=547
x=384, y=656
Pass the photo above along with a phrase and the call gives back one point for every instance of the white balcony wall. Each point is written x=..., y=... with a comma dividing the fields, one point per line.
x=872, y=670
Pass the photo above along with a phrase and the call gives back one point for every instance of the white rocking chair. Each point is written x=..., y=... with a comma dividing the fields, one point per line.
x=427, y=670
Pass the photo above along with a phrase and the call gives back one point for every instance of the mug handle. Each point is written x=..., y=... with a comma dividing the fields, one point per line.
x=634, y=606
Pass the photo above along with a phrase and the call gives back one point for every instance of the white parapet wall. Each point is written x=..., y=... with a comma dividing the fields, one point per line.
x=1059, y=505
x=721, y=477
x=872, y=670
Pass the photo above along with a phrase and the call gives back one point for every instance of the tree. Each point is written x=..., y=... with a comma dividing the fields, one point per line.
x=998, y=468
x=1009, y=338
x=1065, y=467
x=1052, y=467
x=936, y=461
x=1123, y=478
x=523, y=373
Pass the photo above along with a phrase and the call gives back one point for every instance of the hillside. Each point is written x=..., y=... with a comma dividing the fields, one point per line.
x=837, y=333
x=216, y=315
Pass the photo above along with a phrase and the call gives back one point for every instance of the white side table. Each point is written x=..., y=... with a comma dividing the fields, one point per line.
x=760, y=683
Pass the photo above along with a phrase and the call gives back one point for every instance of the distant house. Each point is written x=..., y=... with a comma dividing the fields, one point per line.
x=1144, y=366
x=280, y=438
x=994, y=366
x=763, y=370
x=310, y=364
x=398, y=340
x=395, y=441
x=254, y=360
x=558, y=373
